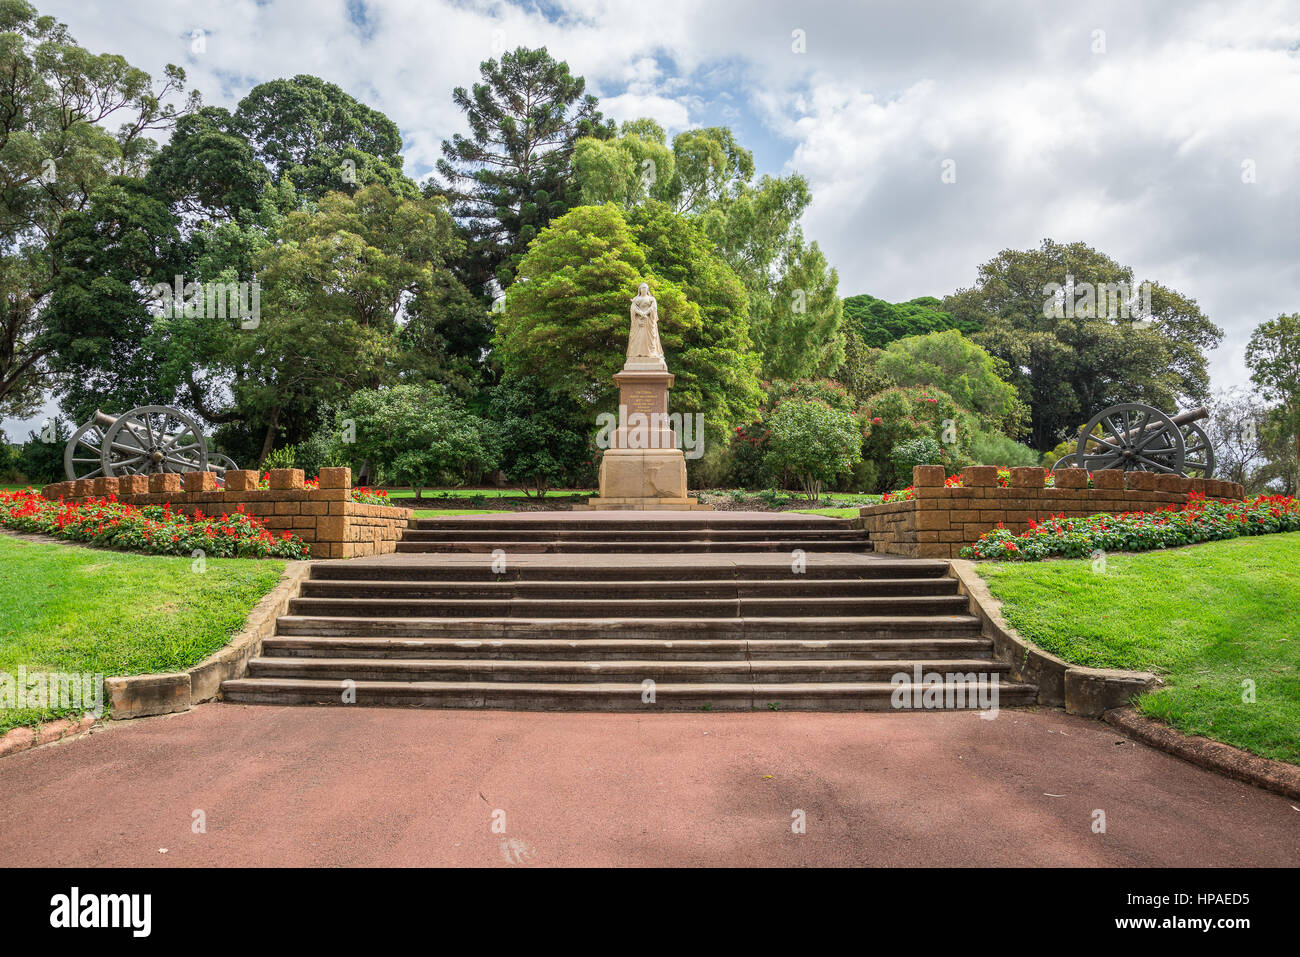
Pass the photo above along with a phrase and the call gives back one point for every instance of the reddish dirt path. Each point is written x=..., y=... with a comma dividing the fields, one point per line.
x=336, y=786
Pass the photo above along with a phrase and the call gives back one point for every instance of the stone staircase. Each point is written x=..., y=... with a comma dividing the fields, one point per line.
x=591, y=535
x=623, y=614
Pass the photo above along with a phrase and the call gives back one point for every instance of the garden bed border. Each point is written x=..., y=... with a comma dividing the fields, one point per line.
x=940, y=520
x=326, y=518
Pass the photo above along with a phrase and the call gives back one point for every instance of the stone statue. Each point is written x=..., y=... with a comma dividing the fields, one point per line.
x=643, y=349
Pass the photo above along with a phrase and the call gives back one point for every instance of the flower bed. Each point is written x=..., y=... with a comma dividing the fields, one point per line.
x=154, y=529
x=955, y=481
x=360, y=494
x=1200, y=520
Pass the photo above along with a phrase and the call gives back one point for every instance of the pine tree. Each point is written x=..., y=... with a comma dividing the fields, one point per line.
x=510, y=176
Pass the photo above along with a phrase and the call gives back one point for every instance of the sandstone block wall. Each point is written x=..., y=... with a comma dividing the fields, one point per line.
x=940, y=521
x=325, y=517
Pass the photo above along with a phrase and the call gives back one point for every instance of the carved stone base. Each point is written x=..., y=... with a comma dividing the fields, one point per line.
x=643, y=479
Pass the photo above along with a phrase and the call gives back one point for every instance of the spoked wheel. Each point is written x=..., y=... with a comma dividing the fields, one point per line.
x=221, y=464
x=83, y=455
x=1070, y=461
x=1198, y=458
x=153, y=439
x=1131, y=437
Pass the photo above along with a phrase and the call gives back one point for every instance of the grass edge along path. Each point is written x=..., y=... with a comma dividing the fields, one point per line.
x=1217, y=621
x=83, y=610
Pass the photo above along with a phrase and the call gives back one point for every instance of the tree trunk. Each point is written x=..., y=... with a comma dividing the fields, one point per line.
x=268, y=442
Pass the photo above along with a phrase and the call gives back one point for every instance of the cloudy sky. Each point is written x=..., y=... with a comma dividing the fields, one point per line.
x=1131, y=125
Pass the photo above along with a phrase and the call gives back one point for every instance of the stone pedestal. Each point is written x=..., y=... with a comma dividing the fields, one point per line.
x=643, y=468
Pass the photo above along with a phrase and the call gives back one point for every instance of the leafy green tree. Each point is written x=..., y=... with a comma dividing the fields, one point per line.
x=858, y=370
x=628, y=169
x=812, y=442
x=796, y=320
x=1070, y=360
x=951, y=362
x=208, y=168
x=418, y=435
x=98, y=319
x=321, y=138
x=511, y=176
x=714, y=360
x=879, y=323
x=1273, y=356
x=55, y=153
x=541, y=438
x=567, y=324
x=791, y=293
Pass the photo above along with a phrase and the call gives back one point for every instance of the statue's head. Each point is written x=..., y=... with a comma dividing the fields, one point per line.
x=643, y=289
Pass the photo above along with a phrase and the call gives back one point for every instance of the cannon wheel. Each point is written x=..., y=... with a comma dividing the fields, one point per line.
x=1198, y=460
x=152, y=439
x=82, y=456
x=1132, y=437
x=1069, y=461
x=221, y=464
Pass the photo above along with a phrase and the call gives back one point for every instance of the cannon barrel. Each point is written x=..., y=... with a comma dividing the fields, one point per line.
x=102, y=420
x=1187, y=418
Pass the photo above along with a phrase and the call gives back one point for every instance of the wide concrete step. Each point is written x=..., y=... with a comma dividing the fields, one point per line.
x=624, y=536
x=656, y=545
x=592, y=569
x=793, y=586
x=696, y=521
x=585, y=649
x=669, y=607
x=627, y=696
x=787, y=627
x=496, y=669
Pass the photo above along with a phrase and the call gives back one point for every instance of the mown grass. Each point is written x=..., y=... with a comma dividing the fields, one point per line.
x=1210, y=619
x=78, y=610
x=832, y=512
x=436, y=512
x=437, y=493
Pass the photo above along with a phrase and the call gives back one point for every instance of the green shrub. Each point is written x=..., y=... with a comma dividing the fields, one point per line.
x=994, y=448
x=812, y=442
x=285, y=457
x=920, y=451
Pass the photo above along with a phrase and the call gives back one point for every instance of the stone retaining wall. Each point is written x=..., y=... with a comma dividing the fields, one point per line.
x=940, y=521
x=325, y=517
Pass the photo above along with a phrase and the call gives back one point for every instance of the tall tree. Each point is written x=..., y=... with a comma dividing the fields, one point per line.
x=321, y=138
x=1273, y=356
x=567, y=326
x=1038, y=310
x=510, y=177
x=55, y=153
x=795, y=314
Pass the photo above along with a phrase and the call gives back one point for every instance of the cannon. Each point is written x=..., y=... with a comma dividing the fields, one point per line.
x=147, y=440
x=1136, y=437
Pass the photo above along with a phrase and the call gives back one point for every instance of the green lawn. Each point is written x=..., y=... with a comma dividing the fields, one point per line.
x=437, y=493
x=70, y=609
x=436, y=512
x=1206, y=618
x=832, y=512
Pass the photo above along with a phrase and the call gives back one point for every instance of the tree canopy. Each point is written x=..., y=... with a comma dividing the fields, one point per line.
x=1071, y=362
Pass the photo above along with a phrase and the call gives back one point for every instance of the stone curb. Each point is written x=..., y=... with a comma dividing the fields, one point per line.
x=1084, y=691
x=1212, y=755
x=23, y=739
x=140, y=696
